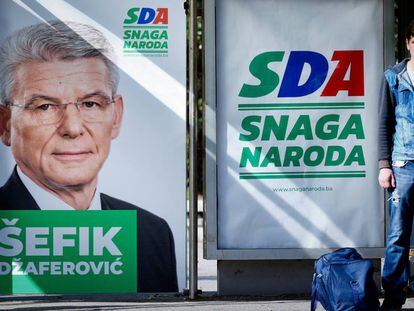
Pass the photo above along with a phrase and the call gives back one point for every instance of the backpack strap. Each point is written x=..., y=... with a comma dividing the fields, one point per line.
x=314, y=301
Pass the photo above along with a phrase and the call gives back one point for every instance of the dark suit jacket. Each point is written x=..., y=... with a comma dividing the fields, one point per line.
x=155, y=251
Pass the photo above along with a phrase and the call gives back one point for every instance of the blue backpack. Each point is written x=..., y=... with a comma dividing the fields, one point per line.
x=344, y=281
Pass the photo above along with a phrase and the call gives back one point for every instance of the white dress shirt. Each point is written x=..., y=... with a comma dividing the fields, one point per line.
x=49, y=202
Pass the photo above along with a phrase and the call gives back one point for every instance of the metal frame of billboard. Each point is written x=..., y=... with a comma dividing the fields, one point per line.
x=211, y=249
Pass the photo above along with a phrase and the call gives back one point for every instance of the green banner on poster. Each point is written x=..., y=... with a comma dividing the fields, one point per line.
x=52, y=252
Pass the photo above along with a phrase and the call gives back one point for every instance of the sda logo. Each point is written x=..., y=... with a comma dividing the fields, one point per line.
x=146, y=32
x=315, y=138
x=144, y=16
x=347, y=61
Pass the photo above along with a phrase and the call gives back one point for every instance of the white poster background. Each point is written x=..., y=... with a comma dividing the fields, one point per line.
x=146, y=165
x=274, y=213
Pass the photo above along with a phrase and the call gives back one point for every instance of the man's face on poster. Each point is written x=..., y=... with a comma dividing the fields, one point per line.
x=61, y=121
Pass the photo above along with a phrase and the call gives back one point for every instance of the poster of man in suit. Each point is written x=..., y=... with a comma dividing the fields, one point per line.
x=89, y=109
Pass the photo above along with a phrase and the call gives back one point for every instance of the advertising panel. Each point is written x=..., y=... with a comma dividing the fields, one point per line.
x=297, y=124
x=93, y=118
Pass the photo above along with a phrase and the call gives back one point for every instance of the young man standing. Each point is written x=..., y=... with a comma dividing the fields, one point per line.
x=396, y=174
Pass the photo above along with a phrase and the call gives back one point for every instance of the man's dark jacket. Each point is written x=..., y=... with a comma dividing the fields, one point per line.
x=155, y=251
x=387, y=117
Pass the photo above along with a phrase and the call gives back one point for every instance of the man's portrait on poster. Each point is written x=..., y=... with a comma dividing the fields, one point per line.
x=59, y=112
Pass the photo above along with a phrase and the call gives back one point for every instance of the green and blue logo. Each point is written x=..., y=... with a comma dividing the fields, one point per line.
x=145, y=32
x=299, y=137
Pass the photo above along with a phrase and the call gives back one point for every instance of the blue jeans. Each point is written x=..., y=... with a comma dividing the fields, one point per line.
x=396, y=269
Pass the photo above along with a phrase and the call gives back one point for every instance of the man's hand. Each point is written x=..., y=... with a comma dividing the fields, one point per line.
x=386, y=178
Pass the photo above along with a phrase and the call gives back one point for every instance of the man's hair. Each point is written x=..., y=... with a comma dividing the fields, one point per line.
x=410, y=30
x=55, y=40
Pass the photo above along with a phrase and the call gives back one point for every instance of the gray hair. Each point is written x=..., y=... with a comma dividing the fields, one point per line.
x=55, y=40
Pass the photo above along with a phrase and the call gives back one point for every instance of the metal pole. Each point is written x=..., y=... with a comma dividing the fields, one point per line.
x=192, y=115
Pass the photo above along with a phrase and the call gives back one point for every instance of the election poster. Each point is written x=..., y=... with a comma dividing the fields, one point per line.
x=92, y=152
x=297, y=87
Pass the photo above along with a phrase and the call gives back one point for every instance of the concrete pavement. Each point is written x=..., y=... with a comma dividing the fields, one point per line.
x=159, y=303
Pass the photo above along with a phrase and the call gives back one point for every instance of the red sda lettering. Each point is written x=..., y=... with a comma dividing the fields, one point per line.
x=162, y=16
x=347, y=60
